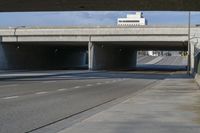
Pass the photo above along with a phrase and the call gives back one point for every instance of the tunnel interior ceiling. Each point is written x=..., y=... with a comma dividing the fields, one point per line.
x=97, y=5
x=74, y=44
x=172, y=46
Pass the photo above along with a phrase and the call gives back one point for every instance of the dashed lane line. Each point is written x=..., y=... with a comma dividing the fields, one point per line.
x=45, y=82
x=107, y=82
x=99, y=83
x=114, y=81
x=76, y=87
x=40, y=93
x=63, y=89
x=11, y=97
x=13, y=85
x=88, y=85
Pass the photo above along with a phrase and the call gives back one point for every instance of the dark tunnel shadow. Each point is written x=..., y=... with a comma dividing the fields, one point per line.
x=44, y=57
x=151, y=75
x=155, y=67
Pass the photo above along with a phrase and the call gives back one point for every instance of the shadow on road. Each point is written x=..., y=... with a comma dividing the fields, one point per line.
x=144, y=74
x=155, y=67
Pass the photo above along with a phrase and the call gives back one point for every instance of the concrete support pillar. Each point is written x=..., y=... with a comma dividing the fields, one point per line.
x=3, y=60
x=192, y=58
x=90, y=56
x=102, y=57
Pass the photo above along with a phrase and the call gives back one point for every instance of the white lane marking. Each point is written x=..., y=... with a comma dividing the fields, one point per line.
x=45, y=82
x=9, y=85
x=88, y=85
x=107, y=82
x=99, y=83
x=11, y=97
x=114, y=81
x=63, y=89
x=76, y=87
x=43, y=92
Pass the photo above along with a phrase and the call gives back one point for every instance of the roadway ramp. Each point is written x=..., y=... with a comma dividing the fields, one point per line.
x=154, y=61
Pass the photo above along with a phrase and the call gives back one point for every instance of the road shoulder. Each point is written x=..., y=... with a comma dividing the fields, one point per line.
x=170, y=106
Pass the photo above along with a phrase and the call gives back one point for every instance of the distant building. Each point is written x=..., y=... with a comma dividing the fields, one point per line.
x=132, y=20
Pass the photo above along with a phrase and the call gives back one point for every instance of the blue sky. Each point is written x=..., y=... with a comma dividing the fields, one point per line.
x=91, y=18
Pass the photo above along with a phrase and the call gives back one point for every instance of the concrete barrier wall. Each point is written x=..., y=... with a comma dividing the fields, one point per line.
x=197, y=63
x=195, y=49
x=195, y=53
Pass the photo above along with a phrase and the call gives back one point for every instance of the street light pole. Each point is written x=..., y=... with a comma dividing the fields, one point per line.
x=189, y=47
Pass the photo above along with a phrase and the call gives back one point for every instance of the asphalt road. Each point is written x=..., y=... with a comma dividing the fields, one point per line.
x=27, y=104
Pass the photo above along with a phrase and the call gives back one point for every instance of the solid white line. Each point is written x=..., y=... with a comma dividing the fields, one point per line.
x=45, y=82
x=11, y=97
x=63, y=89
x=43, y=92
x=9, y=85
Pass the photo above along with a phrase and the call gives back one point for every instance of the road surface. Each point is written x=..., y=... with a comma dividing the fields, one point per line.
x=28, y=104
x=31, y=104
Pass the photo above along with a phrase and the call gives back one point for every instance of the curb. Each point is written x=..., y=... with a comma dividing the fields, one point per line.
x=197, y=79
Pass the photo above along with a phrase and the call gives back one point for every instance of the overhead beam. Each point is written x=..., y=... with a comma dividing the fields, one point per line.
x=98, y=5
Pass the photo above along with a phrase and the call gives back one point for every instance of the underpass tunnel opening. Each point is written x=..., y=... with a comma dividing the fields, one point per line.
x=112, y=57
x=43, y=56
x=162, y=56
x=128, y=56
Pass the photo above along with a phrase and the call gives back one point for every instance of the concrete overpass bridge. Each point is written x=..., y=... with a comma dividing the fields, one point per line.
x=105, y=47
x=96, y=5
x=142, y=37
x=83, y=5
